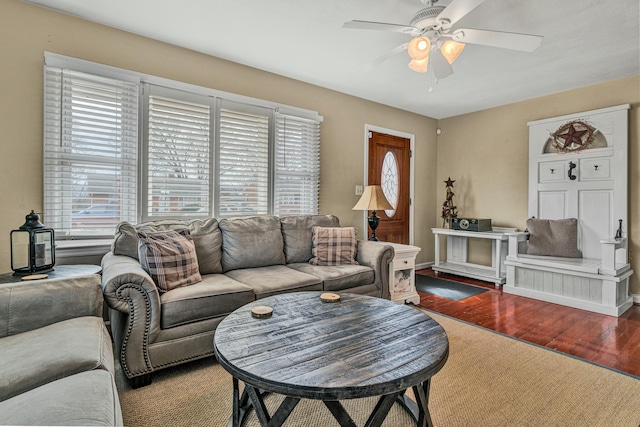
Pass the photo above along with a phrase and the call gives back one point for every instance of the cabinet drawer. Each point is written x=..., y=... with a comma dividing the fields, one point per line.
x=400, y=263
x=553, y=171
x=593, y=169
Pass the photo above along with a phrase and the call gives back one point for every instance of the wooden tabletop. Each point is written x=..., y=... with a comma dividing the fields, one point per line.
x=358, y=347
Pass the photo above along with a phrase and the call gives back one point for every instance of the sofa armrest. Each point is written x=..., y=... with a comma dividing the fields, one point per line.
x=26, y=306
x=131, y=293
x=377, y=256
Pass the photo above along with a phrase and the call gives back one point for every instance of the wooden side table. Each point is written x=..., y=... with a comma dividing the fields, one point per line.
x=59, y=272
x=402, y=274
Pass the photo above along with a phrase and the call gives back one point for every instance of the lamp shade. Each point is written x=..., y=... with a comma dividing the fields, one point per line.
x=419, y=48
x=419, y=65
x=372, y=199
x=451, y=50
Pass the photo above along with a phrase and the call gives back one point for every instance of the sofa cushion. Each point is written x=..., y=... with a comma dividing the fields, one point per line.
x=170, y=258
x=251, y=242
x=334, y=246
x=297, y=233
x=217, y=295
x=204, y=232
x=84, y=399
x=338, y=277
x=267, y=281
x=553, y=237
x=31, y=359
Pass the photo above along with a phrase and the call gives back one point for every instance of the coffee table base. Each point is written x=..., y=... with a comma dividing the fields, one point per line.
x=254, y=398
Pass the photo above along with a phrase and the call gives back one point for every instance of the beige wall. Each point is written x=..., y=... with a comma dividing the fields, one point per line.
x=26, y=32
x=487, y=154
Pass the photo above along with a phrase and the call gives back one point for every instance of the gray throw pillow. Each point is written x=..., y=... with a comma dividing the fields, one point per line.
x=204, y=232
x=250, y=242
x=553, y=237
x=297, y=233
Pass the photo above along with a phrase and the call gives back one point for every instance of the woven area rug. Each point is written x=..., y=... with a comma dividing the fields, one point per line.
x=489, y=380
x=446, y=288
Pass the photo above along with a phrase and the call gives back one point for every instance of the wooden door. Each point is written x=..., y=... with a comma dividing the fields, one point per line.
x=389, y=166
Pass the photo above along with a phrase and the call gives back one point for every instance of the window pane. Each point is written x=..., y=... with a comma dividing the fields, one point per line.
x=90, y=152
x=243, y=162
x=178, y=158
x=297, y=174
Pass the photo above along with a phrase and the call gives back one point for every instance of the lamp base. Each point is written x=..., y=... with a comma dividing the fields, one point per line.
x=374, y=221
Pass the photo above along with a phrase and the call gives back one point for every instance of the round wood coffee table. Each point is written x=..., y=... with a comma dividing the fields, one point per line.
x=357, y=347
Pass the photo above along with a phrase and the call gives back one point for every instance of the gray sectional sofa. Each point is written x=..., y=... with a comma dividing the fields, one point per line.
x=240, y=260
x=56, y=356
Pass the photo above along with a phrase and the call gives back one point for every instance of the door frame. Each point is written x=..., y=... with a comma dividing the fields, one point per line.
x=412, y=138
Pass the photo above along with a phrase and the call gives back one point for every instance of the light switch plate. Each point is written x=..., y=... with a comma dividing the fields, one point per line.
x=358, y=190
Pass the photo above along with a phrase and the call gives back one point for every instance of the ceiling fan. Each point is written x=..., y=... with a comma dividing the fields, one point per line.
x=436, y=45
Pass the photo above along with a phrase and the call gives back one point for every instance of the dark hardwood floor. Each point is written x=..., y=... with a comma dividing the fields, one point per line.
x=606, y=340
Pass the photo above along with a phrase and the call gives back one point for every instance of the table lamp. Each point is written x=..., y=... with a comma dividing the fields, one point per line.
x=373, y=199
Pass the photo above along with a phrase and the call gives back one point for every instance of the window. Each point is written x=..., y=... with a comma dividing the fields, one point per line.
x=90, y=152
x=121, y=146
x=297, y=169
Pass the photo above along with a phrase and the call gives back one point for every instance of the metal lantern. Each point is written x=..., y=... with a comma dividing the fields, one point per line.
x=32, y=247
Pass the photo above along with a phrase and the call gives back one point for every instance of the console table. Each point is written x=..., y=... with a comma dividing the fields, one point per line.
x=457, y=254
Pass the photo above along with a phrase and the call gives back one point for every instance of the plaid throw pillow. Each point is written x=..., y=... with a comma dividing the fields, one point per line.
x=333, y=246
x=170, y=258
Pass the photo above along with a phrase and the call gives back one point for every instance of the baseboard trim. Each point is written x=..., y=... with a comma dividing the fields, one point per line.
x=430, y=264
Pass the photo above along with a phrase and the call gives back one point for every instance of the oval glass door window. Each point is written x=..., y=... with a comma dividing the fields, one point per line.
x=389, y=181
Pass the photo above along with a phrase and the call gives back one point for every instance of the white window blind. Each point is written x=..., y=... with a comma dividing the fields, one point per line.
x=90, y=152
x=297, y=166
x=178, y=158
x=243, y=160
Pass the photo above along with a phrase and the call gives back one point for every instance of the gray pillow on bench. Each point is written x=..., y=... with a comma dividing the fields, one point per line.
x=553, y=237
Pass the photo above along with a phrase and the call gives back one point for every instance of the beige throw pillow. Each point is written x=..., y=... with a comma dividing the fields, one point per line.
x=170, y=258
x=334, y=246
x=553, y=237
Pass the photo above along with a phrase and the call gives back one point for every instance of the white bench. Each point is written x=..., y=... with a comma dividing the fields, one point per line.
x=598, y=285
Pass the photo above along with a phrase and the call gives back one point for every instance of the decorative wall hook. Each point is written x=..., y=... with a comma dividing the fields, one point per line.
x=619, y=232
x=572, y=166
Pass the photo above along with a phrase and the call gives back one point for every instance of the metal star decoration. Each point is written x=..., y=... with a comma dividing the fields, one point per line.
x=573, y=136
x=449, y=182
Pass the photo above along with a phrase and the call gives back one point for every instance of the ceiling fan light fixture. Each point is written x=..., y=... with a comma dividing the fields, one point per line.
x=418, y=48
x=419, y=65
x=451, y=50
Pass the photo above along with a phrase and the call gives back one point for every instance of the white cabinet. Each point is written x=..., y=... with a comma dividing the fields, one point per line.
x=402, y=274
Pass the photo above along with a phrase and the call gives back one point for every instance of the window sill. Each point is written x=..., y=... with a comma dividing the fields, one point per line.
x=77, y=248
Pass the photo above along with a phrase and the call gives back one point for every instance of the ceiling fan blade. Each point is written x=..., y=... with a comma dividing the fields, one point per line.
x=515, y=41
x=381, y=26
x=384, y=57
x=389, y=54
x=439, y=64
x=456, y=10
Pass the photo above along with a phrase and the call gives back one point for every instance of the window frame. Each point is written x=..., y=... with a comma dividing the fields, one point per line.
x=184, y=91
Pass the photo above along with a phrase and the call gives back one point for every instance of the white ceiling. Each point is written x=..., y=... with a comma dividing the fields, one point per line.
x=585, y=42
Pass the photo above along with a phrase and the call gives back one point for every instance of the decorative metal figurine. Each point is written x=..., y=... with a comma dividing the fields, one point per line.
x=449, y=210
